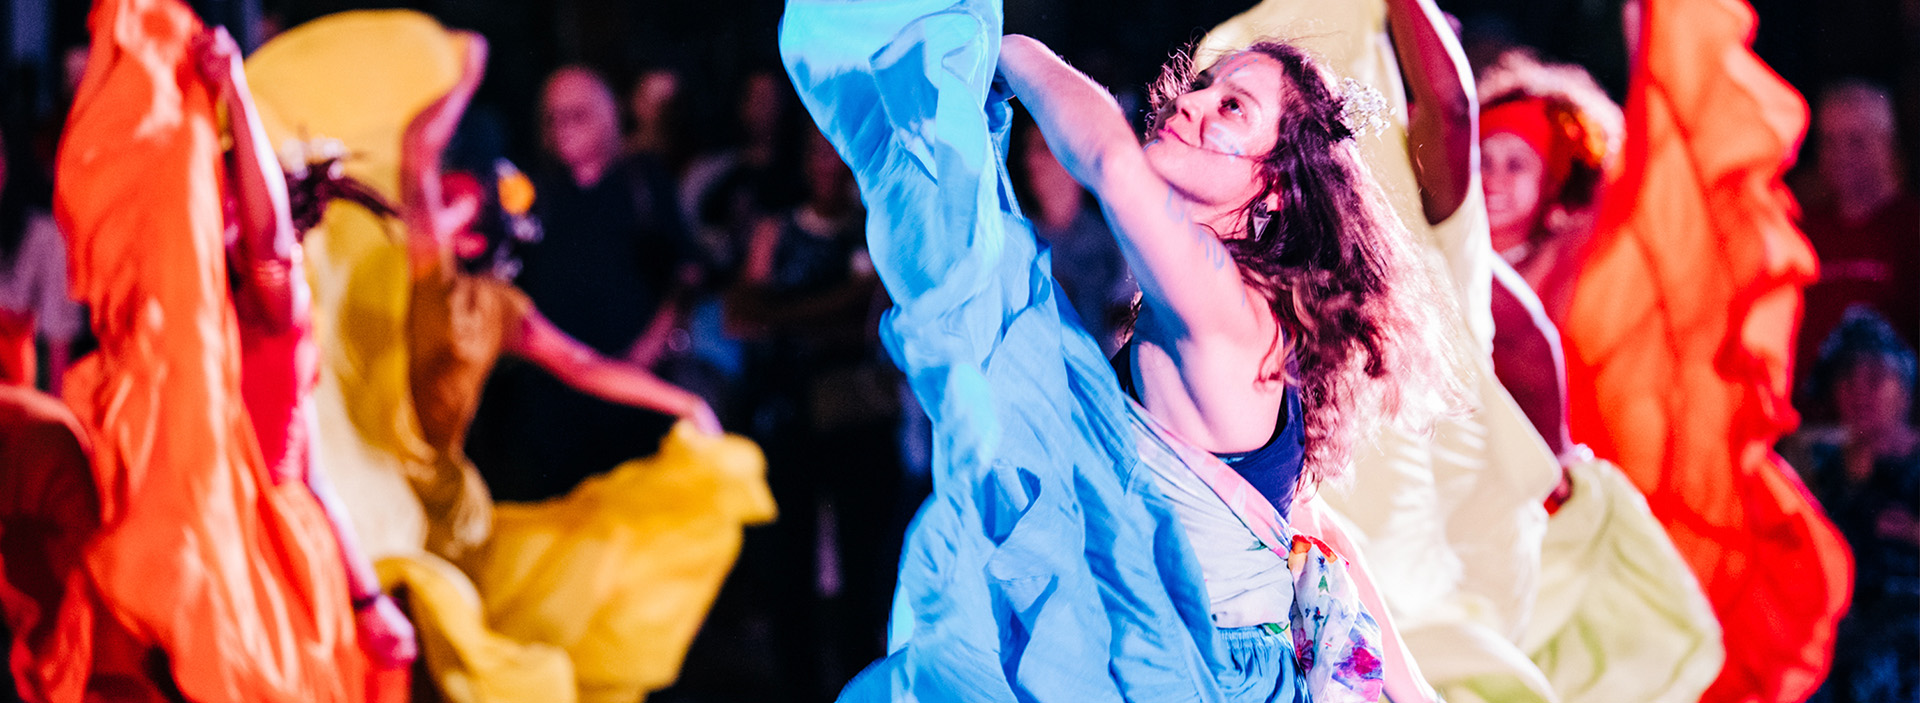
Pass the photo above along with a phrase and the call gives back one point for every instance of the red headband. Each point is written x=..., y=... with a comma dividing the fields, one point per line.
x=1559, y=132
x=1527, y=119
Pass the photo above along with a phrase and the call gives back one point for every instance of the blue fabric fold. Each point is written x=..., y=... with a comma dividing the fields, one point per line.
x=1046, y=566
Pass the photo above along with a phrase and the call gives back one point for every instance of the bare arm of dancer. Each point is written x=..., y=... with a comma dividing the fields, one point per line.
x=1182, y=266
x=267, y=248
x=1442, y=129
x=431, y=221
x=385, y=634
x=578, y=365
x=272, y=281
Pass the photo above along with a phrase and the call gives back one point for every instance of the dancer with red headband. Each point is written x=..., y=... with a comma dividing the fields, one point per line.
x=1546, y=133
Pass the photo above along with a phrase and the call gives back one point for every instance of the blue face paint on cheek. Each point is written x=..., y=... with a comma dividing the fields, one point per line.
x=1222, y=141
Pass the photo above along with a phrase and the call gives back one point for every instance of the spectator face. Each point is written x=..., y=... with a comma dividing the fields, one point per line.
x=73, y=67
x=1511, y=172
x=1872, y=396
x=652, y=93
x=579, y=119
x=1856, y=156
x=760, y=106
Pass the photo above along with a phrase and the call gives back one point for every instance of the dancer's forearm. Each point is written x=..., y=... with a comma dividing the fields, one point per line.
x=1181, y=265
x=267, y=246
x=579, y=366
x=362, y=581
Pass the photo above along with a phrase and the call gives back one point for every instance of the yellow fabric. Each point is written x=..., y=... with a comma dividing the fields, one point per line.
x=470, y=663
x=359, y=77
x=1621, y=618
x=1451, y=524
x=608, y=584
x=620, y=572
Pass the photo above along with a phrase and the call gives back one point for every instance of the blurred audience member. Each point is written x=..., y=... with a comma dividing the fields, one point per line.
x=1086, y=259
x=726, y=192
x=1863, y=221
x=34, y=307
x=826, y=409
x=1866, y=472
x=655, y=106
x=605, y=273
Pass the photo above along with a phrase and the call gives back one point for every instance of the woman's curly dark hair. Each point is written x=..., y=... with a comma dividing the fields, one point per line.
x=1358, y=310
x=1862, y=336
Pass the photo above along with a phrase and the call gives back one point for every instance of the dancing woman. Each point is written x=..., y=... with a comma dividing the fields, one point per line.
x=1547, y=133
x=279, y=362
x=1080, y=544
x=460, y=323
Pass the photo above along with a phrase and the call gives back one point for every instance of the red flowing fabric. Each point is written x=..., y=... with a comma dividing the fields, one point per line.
x=17, y=357
x=1680, y=335
x=47, y=513
x=234, y=580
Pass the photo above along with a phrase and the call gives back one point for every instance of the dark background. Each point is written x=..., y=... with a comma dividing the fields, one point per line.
x=713, y=43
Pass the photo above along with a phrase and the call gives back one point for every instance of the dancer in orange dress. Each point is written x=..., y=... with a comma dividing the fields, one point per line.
x=210, y=579
x=279, y=361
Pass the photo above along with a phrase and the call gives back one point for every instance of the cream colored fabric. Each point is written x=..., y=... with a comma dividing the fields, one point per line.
x=1452, y=524
x=1620, y=618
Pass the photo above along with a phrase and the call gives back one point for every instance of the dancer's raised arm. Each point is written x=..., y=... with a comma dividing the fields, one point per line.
x=1171, y=238
x=267, y=243
x=1441, y=130
x=431, y=221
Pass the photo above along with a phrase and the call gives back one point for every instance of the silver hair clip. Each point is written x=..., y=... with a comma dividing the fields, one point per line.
x=1364, y=111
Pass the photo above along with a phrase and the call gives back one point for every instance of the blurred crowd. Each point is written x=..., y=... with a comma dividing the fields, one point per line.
x=738, y=270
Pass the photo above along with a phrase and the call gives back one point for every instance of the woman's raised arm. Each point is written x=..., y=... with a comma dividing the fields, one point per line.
x=1441, y=131
x=430, y=220
x=1182, y=266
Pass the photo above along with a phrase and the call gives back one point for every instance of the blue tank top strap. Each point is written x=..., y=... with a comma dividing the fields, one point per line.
x=1273, y=469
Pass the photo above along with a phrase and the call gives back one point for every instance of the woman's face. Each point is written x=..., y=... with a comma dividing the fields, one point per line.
x=1208, y=143
x=1512, y=173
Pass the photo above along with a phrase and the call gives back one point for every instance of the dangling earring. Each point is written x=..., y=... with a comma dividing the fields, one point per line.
x=1261, y=216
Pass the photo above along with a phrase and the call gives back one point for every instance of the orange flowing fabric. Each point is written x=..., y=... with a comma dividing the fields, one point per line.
x=1680, y=335
x=236, y=580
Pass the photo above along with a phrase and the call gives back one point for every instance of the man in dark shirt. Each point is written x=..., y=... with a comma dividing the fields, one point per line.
x=613, y=248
